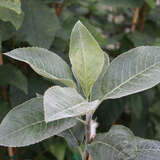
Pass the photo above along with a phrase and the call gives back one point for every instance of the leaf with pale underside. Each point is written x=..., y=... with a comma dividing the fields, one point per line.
x=87, y=58
x=132, y=72
x=25, y=125
x=64, y=102
x=121, y=144
x=45, y=63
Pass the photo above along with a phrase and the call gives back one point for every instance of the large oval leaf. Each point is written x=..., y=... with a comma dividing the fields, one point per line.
x=131, y=72
x=25, y=125
x=120, y=144
x=63, y=102
x=86, y=57
x=45, y=63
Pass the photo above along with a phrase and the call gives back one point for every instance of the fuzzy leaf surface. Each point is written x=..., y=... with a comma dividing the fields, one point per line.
x=45, y=63
x=64, y=102
x=132, y=72
x=121, y=144
x=25, y=125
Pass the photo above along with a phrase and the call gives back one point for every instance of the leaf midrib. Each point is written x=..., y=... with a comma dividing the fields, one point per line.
x=131, y=78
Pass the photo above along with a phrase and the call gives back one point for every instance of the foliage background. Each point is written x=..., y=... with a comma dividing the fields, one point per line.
x=118, y=25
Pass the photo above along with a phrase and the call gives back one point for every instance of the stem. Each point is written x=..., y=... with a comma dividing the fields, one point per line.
x=5, y=97
x=142, y=17
x=87, y=135
x=135, y=18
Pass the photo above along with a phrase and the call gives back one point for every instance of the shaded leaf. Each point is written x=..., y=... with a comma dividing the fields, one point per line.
x=45, y=63
x=24, y=125
x=83, y=50
x=63, y=102
x=75, y=135
x=13, y=76
x=132, y=72
x=40, y=24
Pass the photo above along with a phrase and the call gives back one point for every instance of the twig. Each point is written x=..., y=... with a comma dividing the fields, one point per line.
x=142, y=17
x=135, y=19
x=87, y=135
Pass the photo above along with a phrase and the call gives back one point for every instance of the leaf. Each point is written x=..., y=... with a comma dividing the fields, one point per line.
x=121, y=144
x=82, y=53
x=65, y=102
x=40, y=24
x=11, y=16
x=24, y=125
x=97, y=92
x=13, y=76
x=123, y=3
x=132, y=72
x=75, y=135
x=139, y=114
x=14, y=5
x=4, y=109
x=45, y=63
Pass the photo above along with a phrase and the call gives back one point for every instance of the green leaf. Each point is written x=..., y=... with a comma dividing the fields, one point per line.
x=13, y=76
x=40, y=24
x=75, y=135
x=97, y=92
x=25, y=125
x=121, y=144
x=65, y=102
x=86, y=57
x=11, y=16
x=123, y=3
x=14, y=5
x=45, y=63
x=4, y=109
x=151, y=3
x=132, y=72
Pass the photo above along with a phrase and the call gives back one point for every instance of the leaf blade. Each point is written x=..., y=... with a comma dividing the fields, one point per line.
x=64, y=102
x=132, y=72
x=45, y=63
x=24, y=125
x=82, y=53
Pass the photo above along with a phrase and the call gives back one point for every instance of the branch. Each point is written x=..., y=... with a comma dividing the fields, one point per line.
x=135, y=19
x=142, y=17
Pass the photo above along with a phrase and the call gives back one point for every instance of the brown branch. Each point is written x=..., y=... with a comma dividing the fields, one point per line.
x=5, y=97
x=135, y=19
x=58, y=8
x=142, y=17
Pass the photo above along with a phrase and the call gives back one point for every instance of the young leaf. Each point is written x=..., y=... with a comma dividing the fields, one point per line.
x=120, y=143
x=13, y=76
x=25, y=125
x=86, y=57
x=45, y=63
x=65, y=102
x=132, y=72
